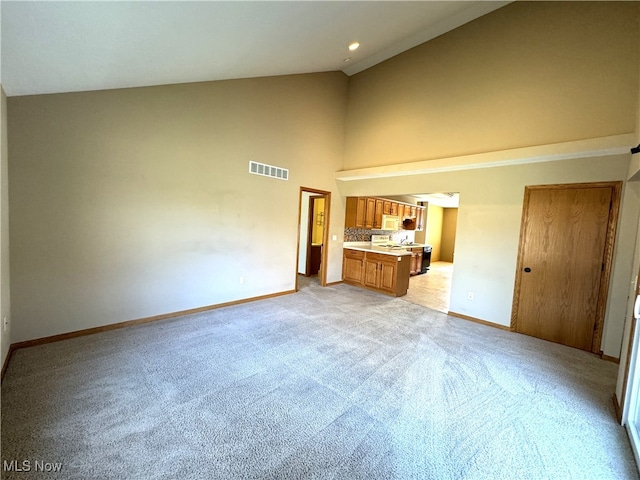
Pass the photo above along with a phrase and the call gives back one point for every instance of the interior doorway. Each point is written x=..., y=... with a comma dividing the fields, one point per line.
x=433, y=289
x=313, y=234
x=564, y=262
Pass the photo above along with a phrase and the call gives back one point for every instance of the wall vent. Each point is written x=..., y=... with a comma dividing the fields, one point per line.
x=268, y=170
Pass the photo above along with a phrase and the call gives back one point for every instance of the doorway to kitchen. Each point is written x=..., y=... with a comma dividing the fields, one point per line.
x=313, y=227
x=433, y=289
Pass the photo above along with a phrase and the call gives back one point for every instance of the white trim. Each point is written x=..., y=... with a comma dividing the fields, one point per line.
x=631, y=413
x=630, y=416
x=634, y=439
x=594, y=147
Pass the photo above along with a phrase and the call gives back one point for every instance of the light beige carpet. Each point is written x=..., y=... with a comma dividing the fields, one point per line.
x=334, y=382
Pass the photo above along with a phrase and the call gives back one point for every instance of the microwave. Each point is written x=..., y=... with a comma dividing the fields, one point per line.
x=390, y=222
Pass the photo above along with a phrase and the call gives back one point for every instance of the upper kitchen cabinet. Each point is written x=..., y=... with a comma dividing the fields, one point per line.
x=390, y=208
x=373, y=214
x=366, y=212
x=355, y=215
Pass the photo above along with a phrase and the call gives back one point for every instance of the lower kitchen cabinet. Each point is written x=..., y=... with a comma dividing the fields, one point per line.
x=380, y=272
x=384, y=273
x=352, y=266
x=416, y=260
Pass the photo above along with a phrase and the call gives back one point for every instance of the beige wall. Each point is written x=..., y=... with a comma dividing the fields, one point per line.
x=530, y=73
x=449, y=226
x=488, y=230
x=137, y=202
x=5, y=307
x=434, y=231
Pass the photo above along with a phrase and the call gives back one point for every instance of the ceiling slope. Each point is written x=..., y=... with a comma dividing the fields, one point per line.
x=65, y=46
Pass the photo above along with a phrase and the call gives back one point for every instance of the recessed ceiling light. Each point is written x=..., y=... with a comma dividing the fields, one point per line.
x=354, y=46
x=348, y=59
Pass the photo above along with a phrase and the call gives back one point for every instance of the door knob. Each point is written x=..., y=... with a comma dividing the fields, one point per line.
x=527, y=269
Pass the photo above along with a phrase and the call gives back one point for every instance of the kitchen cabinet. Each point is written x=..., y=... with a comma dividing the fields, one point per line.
x=366, y=212
x=355, y=214
x=376, y=271
x=373, y=214
x=390, y=208
x=352, y=266
x=370, y=213
x=401, y=211
x=380, y=272
x=416, y=260
x=377, y=217
x=420, y=219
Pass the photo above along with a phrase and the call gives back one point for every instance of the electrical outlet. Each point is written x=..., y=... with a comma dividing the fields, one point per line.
x=5, y=323
x=470, y=296
x=241, y=280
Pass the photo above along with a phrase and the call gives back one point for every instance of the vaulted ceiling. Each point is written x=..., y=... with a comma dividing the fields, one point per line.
x=65, y=46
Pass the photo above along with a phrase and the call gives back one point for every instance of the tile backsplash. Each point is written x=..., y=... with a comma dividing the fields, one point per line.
x=357, y=235
x=364, y=235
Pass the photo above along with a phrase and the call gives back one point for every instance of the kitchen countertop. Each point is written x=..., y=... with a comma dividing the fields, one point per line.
x=368, y=247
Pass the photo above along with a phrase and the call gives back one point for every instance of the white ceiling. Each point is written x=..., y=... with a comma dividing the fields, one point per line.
x=65, y=46
x=446, y=200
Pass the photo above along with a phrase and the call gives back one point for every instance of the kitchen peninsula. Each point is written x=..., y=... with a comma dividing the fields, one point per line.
x=384, y=268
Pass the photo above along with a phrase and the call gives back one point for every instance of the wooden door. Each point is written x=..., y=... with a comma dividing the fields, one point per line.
x=388, y=275
x=325, y=235
x=412, y=263
x=352, y=266
x=370, y=212
x=419, y=261
x=361, y=210
x=379, y=208
x=416, y=261
x=420, y=219
x=314, y=252
x=564, y=261
x=370, y=276
x=354, y=215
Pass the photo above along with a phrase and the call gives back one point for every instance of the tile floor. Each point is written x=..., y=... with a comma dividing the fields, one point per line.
x=432, y=289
